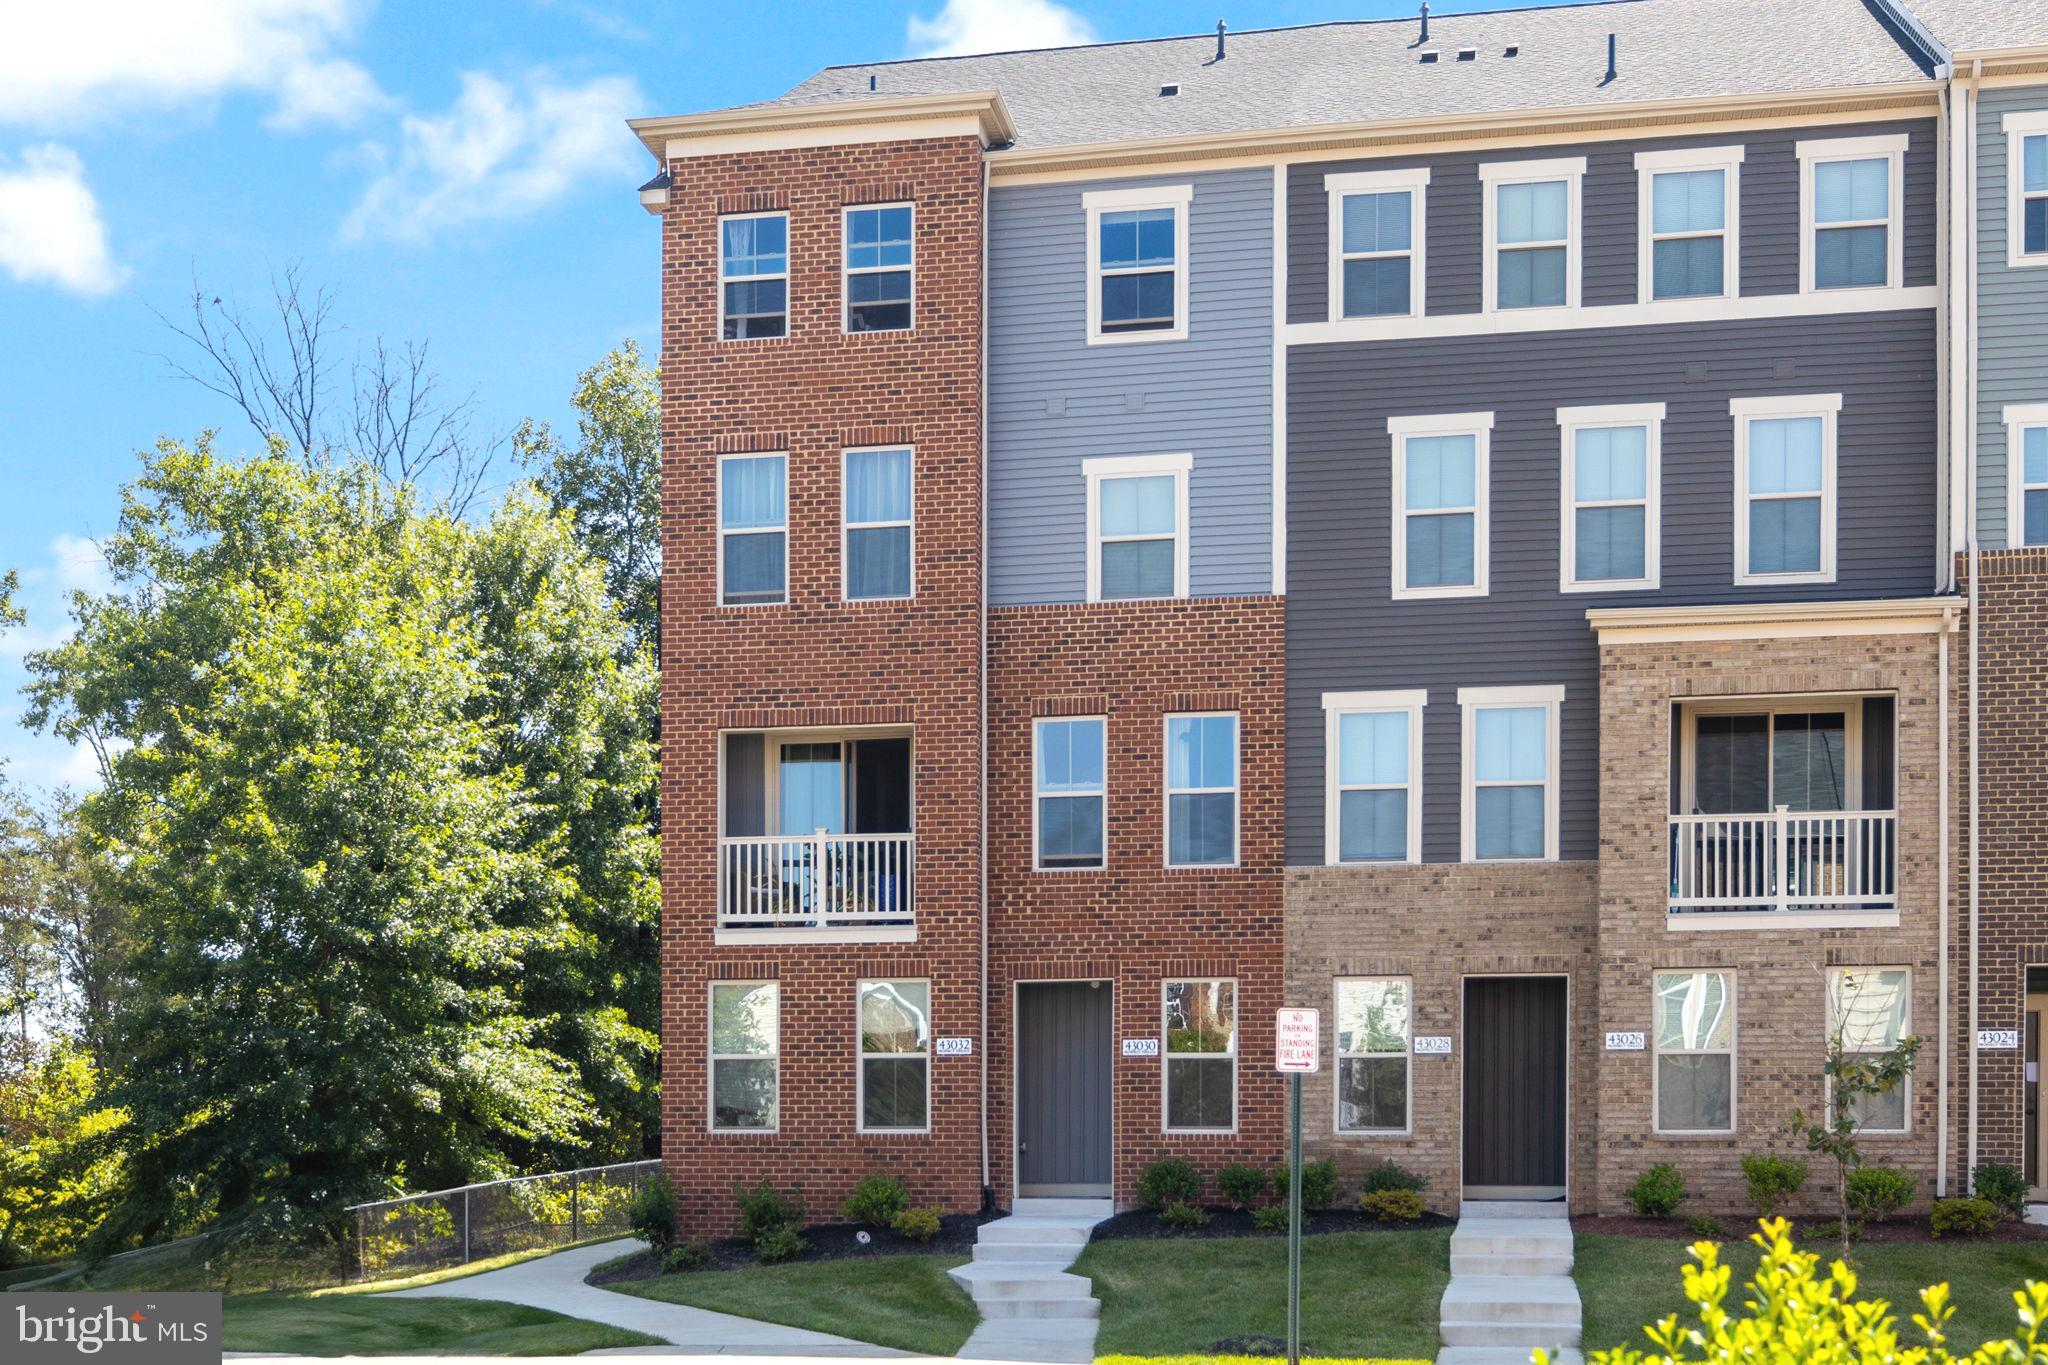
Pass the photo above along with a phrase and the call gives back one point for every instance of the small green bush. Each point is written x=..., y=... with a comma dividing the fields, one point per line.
x=780, y=1244
x=1657, y=1192
x=765, y=1209
x=1181, y=1214
x=1270, y=1218
x=1392, y=1206
x=1318, y=1183
x=2002, y=1186
x=1963, y=1217
x=916, y=1225
x=1772, y=1179
x=875, y=1201
x=685, y=1257
x=651, y=1214
x=1878, y=1192
x=1168, y=1182
x=1831, y=1231
x=1388, y=1176
x=1241, y=1185
x=1706, y=1225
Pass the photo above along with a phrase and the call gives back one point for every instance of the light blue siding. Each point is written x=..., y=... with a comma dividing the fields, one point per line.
x=1054, y=400
x=2012, y=316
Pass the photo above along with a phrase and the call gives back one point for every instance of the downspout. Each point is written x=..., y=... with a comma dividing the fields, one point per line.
x=1955, y=451
x=1972, y=540
x=1944, y=1026
x=983, y=811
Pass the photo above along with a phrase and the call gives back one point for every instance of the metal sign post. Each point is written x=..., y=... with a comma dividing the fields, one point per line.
x=1297, y=1050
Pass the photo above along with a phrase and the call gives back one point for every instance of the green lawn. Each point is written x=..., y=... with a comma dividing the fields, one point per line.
x=1627, y=1282
x=907, y=1302
x=1370, y=1294
x=362, y=1325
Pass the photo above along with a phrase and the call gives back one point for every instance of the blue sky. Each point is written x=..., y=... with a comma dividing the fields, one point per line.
x=453, y=172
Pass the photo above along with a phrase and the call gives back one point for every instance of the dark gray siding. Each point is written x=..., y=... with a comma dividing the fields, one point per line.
x=1770, y=215
x=1344, y=632
x=2012, y=313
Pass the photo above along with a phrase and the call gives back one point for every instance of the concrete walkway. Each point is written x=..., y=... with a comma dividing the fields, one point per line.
x=556, y=1284
x=1031, y=1309
x=1511, y=1286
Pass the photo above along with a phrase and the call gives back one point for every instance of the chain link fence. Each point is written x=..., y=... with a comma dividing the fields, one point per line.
x=423, y=1232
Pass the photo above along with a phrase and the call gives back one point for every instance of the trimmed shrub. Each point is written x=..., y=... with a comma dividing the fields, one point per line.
x=684, y=1257
x=1657, y=1192
x=1833, y=1232
x=2001, y=1186
x=1706, y=1225
x=916, y=1225
x=1270, y=1218
x=1772, y=1179
x=1241, y=1185
x=651, y=1214
x=1181, y=1214
x=780, y=1244
x=875, y=1201
x=1388, y=1176
x=769, y=1219
x=1392, y=1206
x=1878, y=1192
x=1318, y=1183
x=1963, y=1217
x=1172, y=1181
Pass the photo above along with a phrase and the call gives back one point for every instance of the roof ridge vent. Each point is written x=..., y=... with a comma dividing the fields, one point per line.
x=1170, y=88
x=1427, y=55
x=1468, y=54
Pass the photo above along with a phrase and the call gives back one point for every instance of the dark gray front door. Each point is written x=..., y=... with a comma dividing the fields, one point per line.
x=1063, y=1044
x=1514, y=1087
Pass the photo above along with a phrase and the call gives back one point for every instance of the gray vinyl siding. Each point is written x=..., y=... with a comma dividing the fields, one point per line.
x=1454, y=261
x=1054, y=400
x=2012, y=312
x=1344, y=632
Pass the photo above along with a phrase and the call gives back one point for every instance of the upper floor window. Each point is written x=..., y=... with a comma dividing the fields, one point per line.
x=1068, y=791
x=1852, y=202
x=1612, y=485
x=895, y=1078
x=878, y=268
x=753, y=276
x=1137, y=524
x=1868, y=1013
x=1201, y=1056
x=1372, y=762
x=1373, y=1022
x=1785, y=488
x=745, y=1079
x=753, y=530
x=1532, y=233
x=2026, y=503
x=1510, y=761
x=876, y=502
x=1376, y=235
x=1137, y=263
x=1688, y=206
x=1201, y=790
x=2026, y=174
x=1440, y=504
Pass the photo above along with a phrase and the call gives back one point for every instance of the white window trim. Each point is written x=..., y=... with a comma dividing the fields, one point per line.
x=1851, y=707
x=847, y=526
x=2019, y=126
x=1658, y=1052
x=1166, y=1057
x=1095, y=203
x=847, y=271
x=1102, y=793
x=1234, y=790
x=1338, y=1056
x=788, y=313
x=1101, y=467
x=1827, y=407
x=713, y=1058
x=1336, y=706
x=861, y=1055
x=1492, y=175
x=1572, y=421
x=1471, y=701
x=719, y=493
x=1650, y=165
x=1906, y=1025
x=1414, y=182
x=1479, y=426
x=1815, y=152
x=2019, y=419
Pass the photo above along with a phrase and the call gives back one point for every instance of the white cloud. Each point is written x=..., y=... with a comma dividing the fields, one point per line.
x=968, y=26
x=50, y=227
x=76, y=562
x=334, y=91
x=502, y=150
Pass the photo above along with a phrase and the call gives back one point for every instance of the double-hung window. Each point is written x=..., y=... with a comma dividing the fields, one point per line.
x=1852, y=203
x=1374, y=1018
x=1510, y=767
x=878, y=268
x=1138, y=263
x=1068, y=791
x=745, y=1069
x=2026, y=503
x=1531, y=222
x=1201, y=790
x=1201, y=1056
x=1785, y=488
x=1868, y=1013
x=1373, y=763
x=1440, y=498
x=895, y=1079
x=753, y=530
x=1137, y=525
x=753, y=276
x=1695, y=1035
x=1689, y=223
x=876, y=503
x=1611, y=483
x=1376, y=236
x=2026, y=175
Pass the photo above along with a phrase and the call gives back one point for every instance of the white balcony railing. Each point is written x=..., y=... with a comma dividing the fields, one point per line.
x=1785, y=860
x=818, y=881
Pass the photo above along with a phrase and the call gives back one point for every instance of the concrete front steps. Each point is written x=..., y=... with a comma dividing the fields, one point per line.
x=1511, y=1287
x=1031, y=1308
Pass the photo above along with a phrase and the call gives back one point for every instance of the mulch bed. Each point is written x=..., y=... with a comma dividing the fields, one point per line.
x=827, y=1242
x=1737, y=1227
x=1137, y=1224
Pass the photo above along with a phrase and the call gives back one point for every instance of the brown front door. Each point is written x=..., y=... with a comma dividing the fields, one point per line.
x=1515, y=1087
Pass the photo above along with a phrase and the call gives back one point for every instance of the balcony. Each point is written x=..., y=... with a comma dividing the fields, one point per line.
x=1785, y=860
x=826, y=881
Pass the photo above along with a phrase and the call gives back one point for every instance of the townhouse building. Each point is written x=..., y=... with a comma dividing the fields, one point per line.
x=1469, y=523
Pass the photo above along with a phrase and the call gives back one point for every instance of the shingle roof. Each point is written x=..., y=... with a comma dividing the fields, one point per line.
x=1345, y=72
x=1978, y=25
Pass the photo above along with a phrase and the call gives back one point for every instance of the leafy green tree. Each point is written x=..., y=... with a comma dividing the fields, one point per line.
x=60, y=1151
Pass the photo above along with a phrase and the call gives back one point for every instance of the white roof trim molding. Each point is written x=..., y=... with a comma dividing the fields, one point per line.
x=827, y=123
